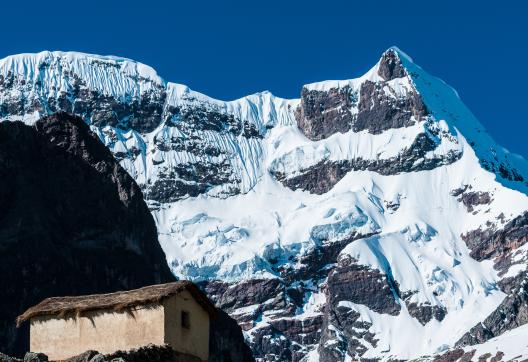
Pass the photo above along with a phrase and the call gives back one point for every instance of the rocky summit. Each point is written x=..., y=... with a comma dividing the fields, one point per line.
x=370, y=219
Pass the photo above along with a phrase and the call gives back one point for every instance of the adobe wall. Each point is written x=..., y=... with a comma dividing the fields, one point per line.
x=195, y=340
x=107, y=332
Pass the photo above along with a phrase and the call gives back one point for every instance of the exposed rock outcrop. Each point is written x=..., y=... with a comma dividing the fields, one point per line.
x=390, y=66
x=379, y=111
x=343, y=331
x=321, y=114
x=474, y=198
x=374, y=107
x=320, y=178
x=486, y=243
x=425, y=312
x=226, y=341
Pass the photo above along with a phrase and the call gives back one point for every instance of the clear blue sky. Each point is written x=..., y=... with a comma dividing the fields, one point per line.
x=228, y=49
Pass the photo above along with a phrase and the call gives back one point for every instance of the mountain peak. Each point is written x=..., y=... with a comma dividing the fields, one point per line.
x=390, y=64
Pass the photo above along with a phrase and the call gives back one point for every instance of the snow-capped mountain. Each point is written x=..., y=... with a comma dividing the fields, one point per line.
x=372, y=218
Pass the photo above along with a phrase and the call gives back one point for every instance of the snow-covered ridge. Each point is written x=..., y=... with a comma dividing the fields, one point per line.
x=123, y=78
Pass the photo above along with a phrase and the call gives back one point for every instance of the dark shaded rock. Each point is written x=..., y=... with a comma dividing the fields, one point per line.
x=424, y=312
x=286, y=339
x=321, y=114
x=253, y=291
x=459, y=191
x=190, y=179
x=151, y=353
x=378, y=111
x=347, y=335
x=498, y=357
x=315, y=264
x=504, y=169
x=6, y=358
x=450, y=356
x=474, y=198
x=88, y=356
x=455, y=355
x=490, y=243
x=35, y=357
x=226, y=341
x=351, y=282
x=360, y=284
x=484, y=357
x=320, y=178
x=72, y=221
x=141, y=111
x=390, y=66
x=510, y=314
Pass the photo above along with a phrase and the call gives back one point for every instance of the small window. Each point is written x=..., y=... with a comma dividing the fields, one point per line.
x=185, y=319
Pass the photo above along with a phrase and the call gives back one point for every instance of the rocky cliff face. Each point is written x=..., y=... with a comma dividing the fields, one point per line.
x=373, y=218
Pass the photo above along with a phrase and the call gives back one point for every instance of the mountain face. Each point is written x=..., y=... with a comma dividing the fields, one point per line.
x=373, y=218
x=74, y=222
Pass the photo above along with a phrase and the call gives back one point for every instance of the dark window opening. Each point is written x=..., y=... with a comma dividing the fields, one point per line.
x=185, y=319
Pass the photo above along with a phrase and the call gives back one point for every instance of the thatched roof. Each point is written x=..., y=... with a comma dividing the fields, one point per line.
x=119, y=301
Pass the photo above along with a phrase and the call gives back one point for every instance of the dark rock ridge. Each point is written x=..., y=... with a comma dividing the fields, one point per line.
x=425, y=312
x=288, y=335
x=323, y=113
x=474, y=198
x=321, y=177
x=511, y=313
x=74, y=222
x=226, y=341
x=142, y=113
x=190, y=179
x=378, y=111
x=343, y=332
x=390, y=66
x=460, y=355
x=360, y=284
x=491, y=242
x=504, y=169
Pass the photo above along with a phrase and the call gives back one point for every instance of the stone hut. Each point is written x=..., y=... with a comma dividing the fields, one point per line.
x=176, y=314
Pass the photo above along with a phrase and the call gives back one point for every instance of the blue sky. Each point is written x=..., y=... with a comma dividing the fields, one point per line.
x=228, y=49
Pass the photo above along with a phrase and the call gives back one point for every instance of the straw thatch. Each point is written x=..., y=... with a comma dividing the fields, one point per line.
x=119, y=301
